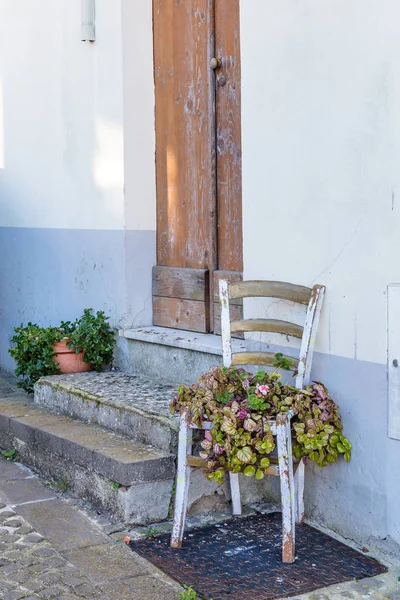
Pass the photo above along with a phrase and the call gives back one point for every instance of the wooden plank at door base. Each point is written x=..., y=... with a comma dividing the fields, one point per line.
x=236, y=307
x=178, y=313
x=231, y=277
x=184, y=283
x=236, y=313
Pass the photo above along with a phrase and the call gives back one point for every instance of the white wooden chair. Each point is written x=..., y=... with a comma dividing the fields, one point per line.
x=290, y=472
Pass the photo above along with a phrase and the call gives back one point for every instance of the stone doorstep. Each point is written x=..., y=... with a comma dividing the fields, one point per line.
x=130, y=405
x=207, y=343
x=106, y=453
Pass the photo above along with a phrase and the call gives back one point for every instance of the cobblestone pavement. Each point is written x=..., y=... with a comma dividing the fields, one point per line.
x=51, y=549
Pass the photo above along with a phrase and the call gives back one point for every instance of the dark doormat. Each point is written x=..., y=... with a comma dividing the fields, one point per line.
x=242, y=559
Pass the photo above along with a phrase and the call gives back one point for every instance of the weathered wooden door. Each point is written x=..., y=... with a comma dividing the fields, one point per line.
x=198, y=159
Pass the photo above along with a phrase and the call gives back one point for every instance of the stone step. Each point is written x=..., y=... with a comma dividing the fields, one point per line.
x=130, y=481
x=131, y=405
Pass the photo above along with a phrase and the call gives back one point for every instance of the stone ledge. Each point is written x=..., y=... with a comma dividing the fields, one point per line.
x=104, y=452
x=207, y=343
x=130, y=405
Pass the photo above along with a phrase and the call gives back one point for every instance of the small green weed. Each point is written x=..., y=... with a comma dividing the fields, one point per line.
x=115, y=486
x=150, y=532
x=11, y=454
x=62, y=485
x=188, y=593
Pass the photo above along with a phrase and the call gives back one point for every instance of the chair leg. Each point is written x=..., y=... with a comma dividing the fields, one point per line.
x=182, y=482
x=284, y=442
x=235, y=493
x=299, y=489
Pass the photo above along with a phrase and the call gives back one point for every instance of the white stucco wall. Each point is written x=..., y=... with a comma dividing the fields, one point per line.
x=321, y=204
x=62, y=115
x=321, y=145
x=139, y=124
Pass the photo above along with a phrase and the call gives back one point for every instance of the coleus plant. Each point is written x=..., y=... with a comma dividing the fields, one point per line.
x=240, y=406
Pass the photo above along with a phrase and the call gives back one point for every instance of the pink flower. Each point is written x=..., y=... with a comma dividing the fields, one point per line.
x=242, y=414
x=262, y=390
x=208, y=436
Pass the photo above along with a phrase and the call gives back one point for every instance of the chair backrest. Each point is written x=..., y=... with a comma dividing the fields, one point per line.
x=311, y=297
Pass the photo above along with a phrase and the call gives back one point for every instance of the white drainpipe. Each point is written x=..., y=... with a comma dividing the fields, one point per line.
x=88, y=31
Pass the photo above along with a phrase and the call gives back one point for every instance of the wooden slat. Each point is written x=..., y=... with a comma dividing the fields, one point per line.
x=231, y=277
x=229, y=151
x=270, y=325
x=196, y=462
x=256, y=358
x=187, y=284
x=236, y=312
x=310, y=333
x=181, y=314
x=185, y=133
x=270, y=289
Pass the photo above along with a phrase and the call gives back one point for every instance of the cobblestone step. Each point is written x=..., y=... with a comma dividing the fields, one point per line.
x=131, y=405
x=130, y=481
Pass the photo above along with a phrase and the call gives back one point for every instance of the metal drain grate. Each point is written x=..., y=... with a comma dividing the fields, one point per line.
x=242, y=559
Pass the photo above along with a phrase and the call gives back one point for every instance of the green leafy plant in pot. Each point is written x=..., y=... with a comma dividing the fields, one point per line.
x=85, y=344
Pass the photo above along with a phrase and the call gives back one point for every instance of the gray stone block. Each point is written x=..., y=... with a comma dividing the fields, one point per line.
x=102, y=566
x=52, y=443
x=127, y=473
x=61, y=524
x=6, y=440
x=146, y=502
x=4, y=423
x=19, y=491
x=22, y=431
x=77, y=453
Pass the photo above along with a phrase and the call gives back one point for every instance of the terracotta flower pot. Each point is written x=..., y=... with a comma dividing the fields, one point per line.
x=69, y=361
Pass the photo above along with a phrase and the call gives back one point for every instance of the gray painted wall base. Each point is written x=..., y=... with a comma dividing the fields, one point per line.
x=51, y=275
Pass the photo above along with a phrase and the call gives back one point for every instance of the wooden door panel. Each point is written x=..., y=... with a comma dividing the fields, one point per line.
x=228, y=122
x=185, y=133
x=198, y=158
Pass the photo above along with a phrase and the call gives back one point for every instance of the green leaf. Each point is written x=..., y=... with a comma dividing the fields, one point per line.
x=249, y=471
x=334, y=440
x=264, y=463
x=228, y=426
x=245, y=454
x=259, y=474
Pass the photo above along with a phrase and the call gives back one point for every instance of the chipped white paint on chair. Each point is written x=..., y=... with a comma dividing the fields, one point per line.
x=292, y=484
